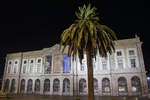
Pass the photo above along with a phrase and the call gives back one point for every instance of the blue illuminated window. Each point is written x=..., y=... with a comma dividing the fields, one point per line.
x=66, y=64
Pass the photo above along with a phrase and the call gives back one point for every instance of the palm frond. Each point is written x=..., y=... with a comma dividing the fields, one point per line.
x=87, y=33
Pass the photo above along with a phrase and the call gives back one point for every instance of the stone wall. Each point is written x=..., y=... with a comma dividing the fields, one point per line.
x=112, y=72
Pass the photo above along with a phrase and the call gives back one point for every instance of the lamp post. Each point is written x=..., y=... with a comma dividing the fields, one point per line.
x=148, y=82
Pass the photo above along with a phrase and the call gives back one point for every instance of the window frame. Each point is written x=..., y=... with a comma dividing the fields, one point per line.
x=25, y=64
x=119, y=57
x=9, y=65
x=16, y=65
x=37, y=63
x=135, y=56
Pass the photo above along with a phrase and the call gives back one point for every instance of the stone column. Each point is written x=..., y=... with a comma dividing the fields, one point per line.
x=115, y=85
x=9, y=85
x=26, y=84
x=129, y=86
x=74, y=85
x=144, y=84
x=52, y=67
x=17, y=86
x=3, y=84
x=61, y=86
x=100, y=86
x=33, y=86
x=41, y=86
x=51, y=87
x=43, y=64
x=71, y=86
x=111, y=85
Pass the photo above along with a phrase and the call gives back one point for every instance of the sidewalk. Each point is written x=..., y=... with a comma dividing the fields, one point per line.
x=41, y=97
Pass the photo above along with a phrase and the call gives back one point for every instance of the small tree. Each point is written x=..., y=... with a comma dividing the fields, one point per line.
x=87, y=35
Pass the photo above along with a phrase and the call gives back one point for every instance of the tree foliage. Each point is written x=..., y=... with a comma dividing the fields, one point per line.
x=87, y=32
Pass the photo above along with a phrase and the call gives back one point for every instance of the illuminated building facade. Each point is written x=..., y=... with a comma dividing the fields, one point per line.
x=49, y=72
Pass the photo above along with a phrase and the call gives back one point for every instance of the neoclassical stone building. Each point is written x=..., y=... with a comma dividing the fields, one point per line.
x=49, y=72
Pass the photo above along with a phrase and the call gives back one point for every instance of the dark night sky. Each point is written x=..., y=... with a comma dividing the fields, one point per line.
x=31, y=25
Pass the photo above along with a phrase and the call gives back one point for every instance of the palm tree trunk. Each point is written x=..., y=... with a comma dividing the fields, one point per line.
x=90, y=75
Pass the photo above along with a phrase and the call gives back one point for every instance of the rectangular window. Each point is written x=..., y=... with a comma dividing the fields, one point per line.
x=9, y=67
x=83, y=65
x=24, y=68
x=38, y=68
x=66, y=64
x=104, y=65
x=132, y=58
x=39, y=65
x=15, y=66
x=31, y=66
x=119, y=53
x=133, y=63
x=120, y=59
x=131, y=52
x=15, y=69
x=120, y=63
x=48, y=64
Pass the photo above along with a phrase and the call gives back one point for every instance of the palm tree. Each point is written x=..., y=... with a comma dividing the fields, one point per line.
x=87, y=36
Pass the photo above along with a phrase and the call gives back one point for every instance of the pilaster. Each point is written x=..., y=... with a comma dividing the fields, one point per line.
x=61, y=87
x=3, y=84
x=41, y=86
x=115, y=85
x=144, y=83
x=33, y=85
x=9, y=85
x=26, y=84
x=129, y=86
x=100, y=86
x=51, y=87
x=17, y=86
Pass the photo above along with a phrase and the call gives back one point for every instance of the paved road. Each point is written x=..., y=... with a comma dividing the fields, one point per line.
x=70, y=98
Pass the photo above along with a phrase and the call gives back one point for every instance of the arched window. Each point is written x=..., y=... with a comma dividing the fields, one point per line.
x=6, y=85
x=39, y=65
x=22, y=87
x=82, y=86
x=37, y=86
x=66, y=86
x=56, y=86
x=13, y=86
x=16, y=66
x=9, y=66
x=31, y=65
x=29, y=87
x=106, y=86
x=122, y=86
x=46, y=86
x=25, y=63
x=95, y=86
x=136, y=85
